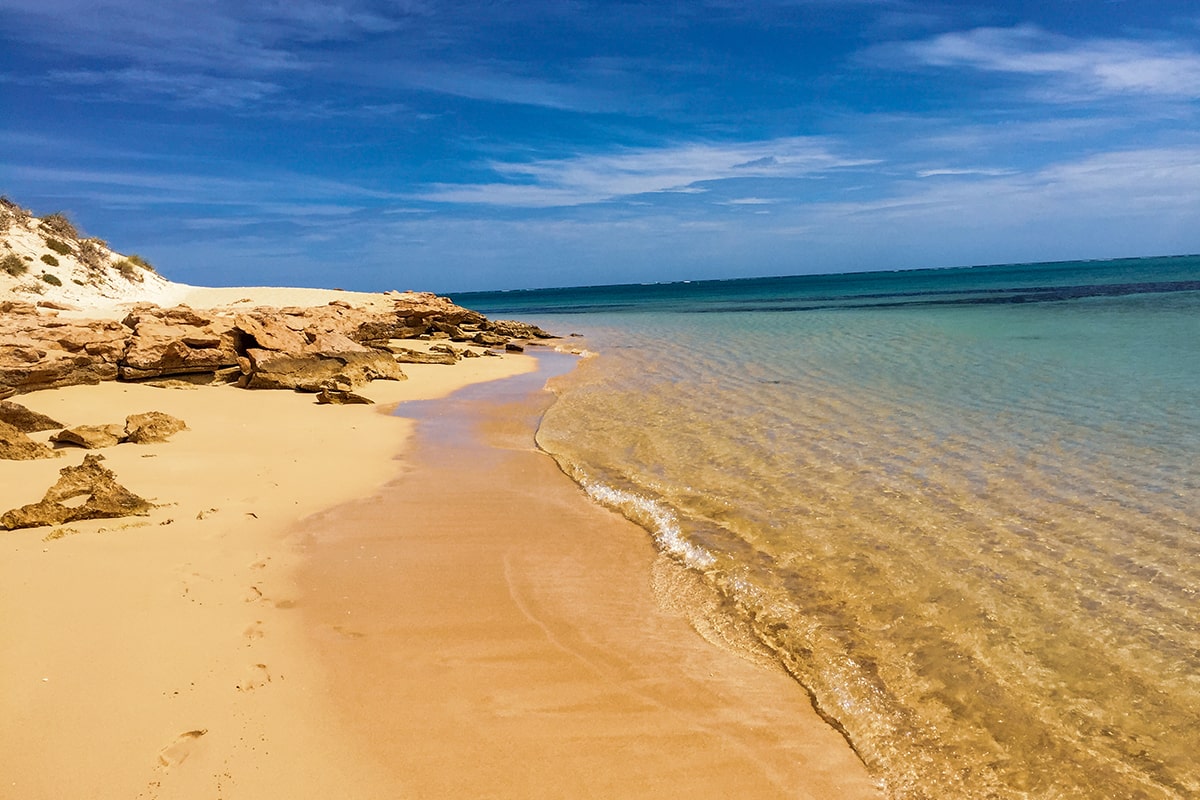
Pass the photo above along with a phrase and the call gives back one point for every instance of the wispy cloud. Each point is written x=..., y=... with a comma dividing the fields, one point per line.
x=189, y=89
x=598, y=178
x=1079, y=68
x=944, y=172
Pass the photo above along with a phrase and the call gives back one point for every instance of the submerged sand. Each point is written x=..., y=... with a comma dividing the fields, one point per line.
x=322, y=606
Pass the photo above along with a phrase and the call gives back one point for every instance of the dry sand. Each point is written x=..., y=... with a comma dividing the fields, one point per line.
x=163, y=656
x=322, y=608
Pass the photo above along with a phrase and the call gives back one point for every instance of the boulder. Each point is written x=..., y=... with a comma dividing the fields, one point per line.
x=25, y=420
x=16, y=446
x=104, y=498
x=152, y=426
x=91, y=437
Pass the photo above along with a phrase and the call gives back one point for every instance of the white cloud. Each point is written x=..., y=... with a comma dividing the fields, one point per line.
x=190, y=89
x=937, y=173
x=1081, y=67
x=678, y=168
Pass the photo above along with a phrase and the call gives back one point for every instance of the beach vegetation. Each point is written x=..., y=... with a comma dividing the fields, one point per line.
x=129, y=269
x=49, y=259
x=92, y=254
x=58, y=223
x=140, y=262
x=59, y=246
x=53, y=280
x=10, y=212
x=13, y=265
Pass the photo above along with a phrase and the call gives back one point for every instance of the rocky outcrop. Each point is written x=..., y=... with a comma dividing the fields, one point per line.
x=104, y=498
x=407, y=355
x=335, y=346
x=517, y=330
x=15, y=445
x=177, y=341
x=40, y=351
x=91, y=437
x=25, y=420
x=152, y=426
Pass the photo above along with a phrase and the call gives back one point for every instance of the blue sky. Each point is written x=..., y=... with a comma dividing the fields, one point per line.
x=424, y=144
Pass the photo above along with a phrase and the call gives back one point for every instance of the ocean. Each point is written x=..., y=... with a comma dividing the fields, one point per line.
x=960, y=506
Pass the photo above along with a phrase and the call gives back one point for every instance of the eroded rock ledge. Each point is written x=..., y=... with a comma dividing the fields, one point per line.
x=334, y=347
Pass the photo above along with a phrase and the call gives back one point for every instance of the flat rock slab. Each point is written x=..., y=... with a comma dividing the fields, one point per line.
x=91, y=437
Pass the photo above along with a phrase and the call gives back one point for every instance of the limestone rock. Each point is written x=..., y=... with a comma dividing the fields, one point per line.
x=152, y=426
x=178, y=341
x=337, y=397
x=104, y=498
x=25, y=420
x=91, y=437
x=517, y=330
x=271, y=332
x=313, y=371
x=489, y=339
x=16, y=446
x=406, y=355
x=40, y=351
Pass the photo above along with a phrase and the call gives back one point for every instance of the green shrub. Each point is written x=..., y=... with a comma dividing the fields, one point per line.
x=58, y=223
x=60, y=247
x=51, y=260
x=137, y=260
x=13, y=265
x=128, y=270
x=51, y=279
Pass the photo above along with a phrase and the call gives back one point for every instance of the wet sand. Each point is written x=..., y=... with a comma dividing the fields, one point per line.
x=485, y=630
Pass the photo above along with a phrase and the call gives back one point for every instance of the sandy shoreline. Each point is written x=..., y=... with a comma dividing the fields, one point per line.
x=488, y=631
x=266, y=632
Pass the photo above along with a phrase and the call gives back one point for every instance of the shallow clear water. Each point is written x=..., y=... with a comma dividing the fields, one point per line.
x=962, y=506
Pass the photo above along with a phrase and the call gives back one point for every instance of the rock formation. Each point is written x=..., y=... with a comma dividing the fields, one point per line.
x=104, y=498
x=336, y=346
x=15, y=445
x=152, y=426
x=25, y=420
x=91, y=437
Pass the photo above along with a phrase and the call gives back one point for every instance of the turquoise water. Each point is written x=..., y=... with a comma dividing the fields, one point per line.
x=961, y=507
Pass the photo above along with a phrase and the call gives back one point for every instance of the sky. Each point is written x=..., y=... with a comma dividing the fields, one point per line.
x=453, y=146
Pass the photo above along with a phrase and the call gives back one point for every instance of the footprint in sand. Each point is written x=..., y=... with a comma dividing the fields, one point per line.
x=178, y=751
x=254, y=631
x=257, y=675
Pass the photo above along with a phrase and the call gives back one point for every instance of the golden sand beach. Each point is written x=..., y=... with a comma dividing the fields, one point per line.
x=324, y=605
